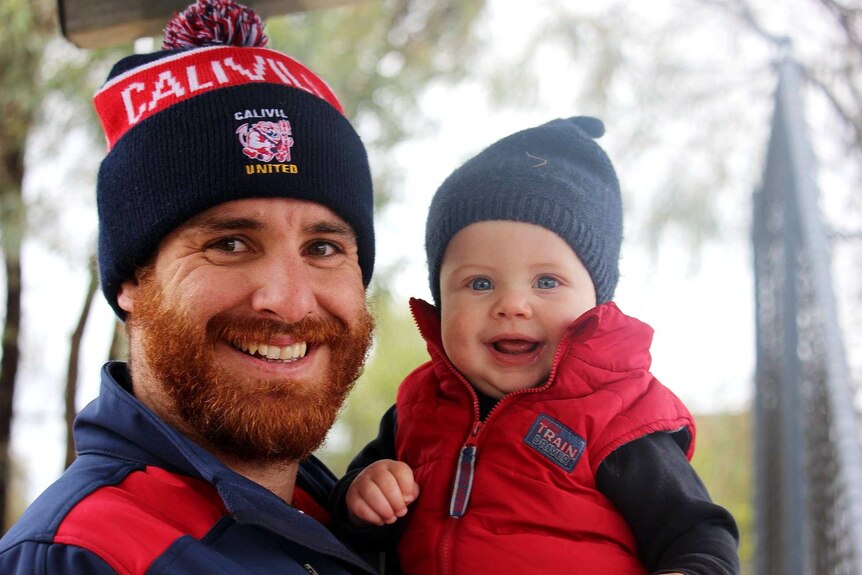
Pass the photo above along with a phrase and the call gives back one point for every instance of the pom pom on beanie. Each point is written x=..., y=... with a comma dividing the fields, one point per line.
x=214, y=22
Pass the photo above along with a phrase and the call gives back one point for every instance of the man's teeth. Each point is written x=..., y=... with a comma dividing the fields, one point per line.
x=287, y=352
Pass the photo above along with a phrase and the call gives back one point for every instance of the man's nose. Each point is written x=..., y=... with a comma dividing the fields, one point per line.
x=285, y=289
x=512, y=303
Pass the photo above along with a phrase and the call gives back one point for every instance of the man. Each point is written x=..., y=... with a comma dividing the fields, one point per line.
x=236, y=241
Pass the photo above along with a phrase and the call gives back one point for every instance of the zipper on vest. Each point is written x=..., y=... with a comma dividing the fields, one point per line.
x=464, y=471
x=446, y=560
x=461, y=489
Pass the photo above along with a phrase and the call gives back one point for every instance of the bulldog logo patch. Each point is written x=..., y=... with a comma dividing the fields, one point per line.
x=556, y=442
x=266, y=141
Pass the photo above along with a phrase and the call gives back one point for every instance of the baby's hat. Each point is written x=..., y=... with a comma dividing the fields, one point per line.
x=555, y=176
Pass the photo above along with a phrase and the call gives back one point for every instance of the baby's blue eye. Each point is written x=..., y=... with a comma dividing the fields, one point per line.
x=481, y=284
x=547, y=282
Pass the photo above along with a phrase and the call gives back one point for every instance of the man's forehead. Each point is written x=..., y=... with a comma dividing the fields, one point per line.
x=261, y=213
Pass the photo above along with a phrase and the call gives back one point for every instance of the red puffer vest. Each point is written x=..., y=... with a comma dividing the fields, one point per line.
x=517, y=493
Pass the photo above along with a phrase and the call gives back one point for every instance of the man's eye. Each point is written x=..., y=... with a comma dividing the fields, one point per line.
x=546, y=282
x=232, y=245
x=481, y=284
x=323, y=249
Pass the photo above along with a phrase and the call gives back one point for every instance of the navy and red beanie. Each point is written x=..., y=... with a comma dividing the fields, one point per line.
x=213, y=117
x=555, y=176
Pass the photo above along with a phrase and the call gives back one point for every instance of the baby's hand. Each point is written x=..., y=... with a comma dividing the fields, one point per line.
x=381, y=492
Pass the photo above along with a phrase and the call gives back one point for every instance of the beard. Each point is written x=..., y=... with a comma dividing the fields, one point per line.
x=257, y=420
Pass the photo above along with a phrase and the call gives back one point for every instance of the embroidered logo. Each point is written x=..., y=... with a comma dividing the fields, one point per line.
x=266, y=140
x=556, y=442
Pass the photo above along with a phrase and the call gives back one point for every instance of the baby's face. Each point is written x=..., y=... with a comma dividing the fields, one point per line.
x=508, y=291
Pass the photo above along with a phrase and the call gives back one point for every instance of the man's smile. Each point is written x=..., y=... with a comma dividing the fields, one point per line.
x=273, y=352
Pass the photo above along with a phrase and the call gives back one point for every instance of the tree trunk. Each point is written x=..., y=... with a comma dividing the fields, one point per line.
x=74, y=360
x=25, y=36
x=13, y=223
x=9, y=369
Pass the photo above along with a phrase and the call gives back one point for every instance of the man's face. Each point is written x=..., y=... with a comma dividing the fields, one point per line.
x=250, y=328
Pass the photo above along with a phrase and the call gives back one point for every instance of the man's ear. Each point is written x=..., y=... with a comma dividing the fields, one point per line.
x=127, y=294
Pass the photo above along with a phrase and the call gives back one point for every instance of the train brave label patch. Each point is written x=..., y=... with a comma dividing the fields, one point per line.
x=556, y=442
x=267, y=141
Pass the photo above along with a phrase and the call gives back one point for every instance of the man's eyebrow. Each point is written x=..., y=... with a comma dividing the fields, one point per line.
x=217, y=223
x=332, y=227
x=223, y=223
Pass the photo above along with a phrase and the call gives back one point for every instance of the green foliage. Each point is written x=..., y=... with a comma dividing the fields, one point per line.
x=24, y=30
x=723, y=460
x=379, y=57
x=398, y=349
x=45, y=87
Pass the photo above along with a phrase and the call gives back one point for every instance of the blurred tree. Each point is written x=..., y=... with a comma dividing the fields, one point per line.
x=685, y=88
x=398, y=349
x=37, y=71
x=75, y=342
x=379, y=57
x=838, y=77
x=25, y=28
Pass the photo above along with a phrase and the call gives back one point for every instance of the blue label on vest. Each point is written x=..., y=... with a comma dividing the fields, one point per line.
x=556, y=442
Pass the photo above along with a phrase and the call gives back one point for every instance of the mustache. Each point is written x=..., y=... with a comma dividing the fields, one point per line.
x=311, y=329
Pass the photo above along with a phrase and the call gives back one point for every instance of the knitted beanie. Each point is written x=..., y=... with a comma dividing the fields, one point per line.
x=213, y=117
x=554, y=175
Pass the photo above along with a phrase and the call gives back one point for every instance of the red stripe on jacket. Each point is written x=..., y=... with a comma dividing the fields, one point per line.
x=131, y=524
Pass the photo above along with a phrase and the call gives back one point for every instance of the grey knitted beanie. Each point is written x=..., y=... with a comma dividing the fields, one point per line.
x=554, y=175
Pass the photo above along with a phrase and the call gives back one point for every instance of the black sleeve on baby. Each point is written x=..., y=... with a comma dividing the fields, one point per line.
x=676, y=525
x=366, y=538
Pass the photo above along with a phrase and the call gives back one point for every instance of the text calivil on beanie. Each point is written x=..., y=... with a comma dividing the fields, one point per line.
x=216, y=116
x=139, y=93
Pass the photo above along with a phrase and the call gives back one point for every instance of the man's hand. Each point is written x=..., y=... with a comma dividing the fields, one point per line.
x=381, y=493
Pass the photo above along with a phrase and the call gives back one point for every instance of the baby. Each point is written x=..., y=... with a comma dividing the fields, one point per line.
x=535, y=440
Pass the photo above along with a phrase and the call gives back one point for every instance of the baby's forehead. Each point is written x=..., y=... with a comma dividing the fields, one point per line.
x=495, y=243
x=487, y=233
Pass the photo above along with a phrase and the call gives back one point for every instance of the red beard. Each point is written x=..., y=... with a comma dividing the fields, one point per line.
x=254, y=420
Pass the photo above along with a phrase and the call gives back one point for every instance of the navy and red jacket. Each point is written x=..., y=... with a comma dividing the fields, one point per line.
x=518, y=490
x=142, y=498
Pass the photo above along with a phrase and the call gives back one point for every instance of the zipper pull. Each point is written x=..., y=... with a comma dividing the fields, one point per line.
x=464, y=475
